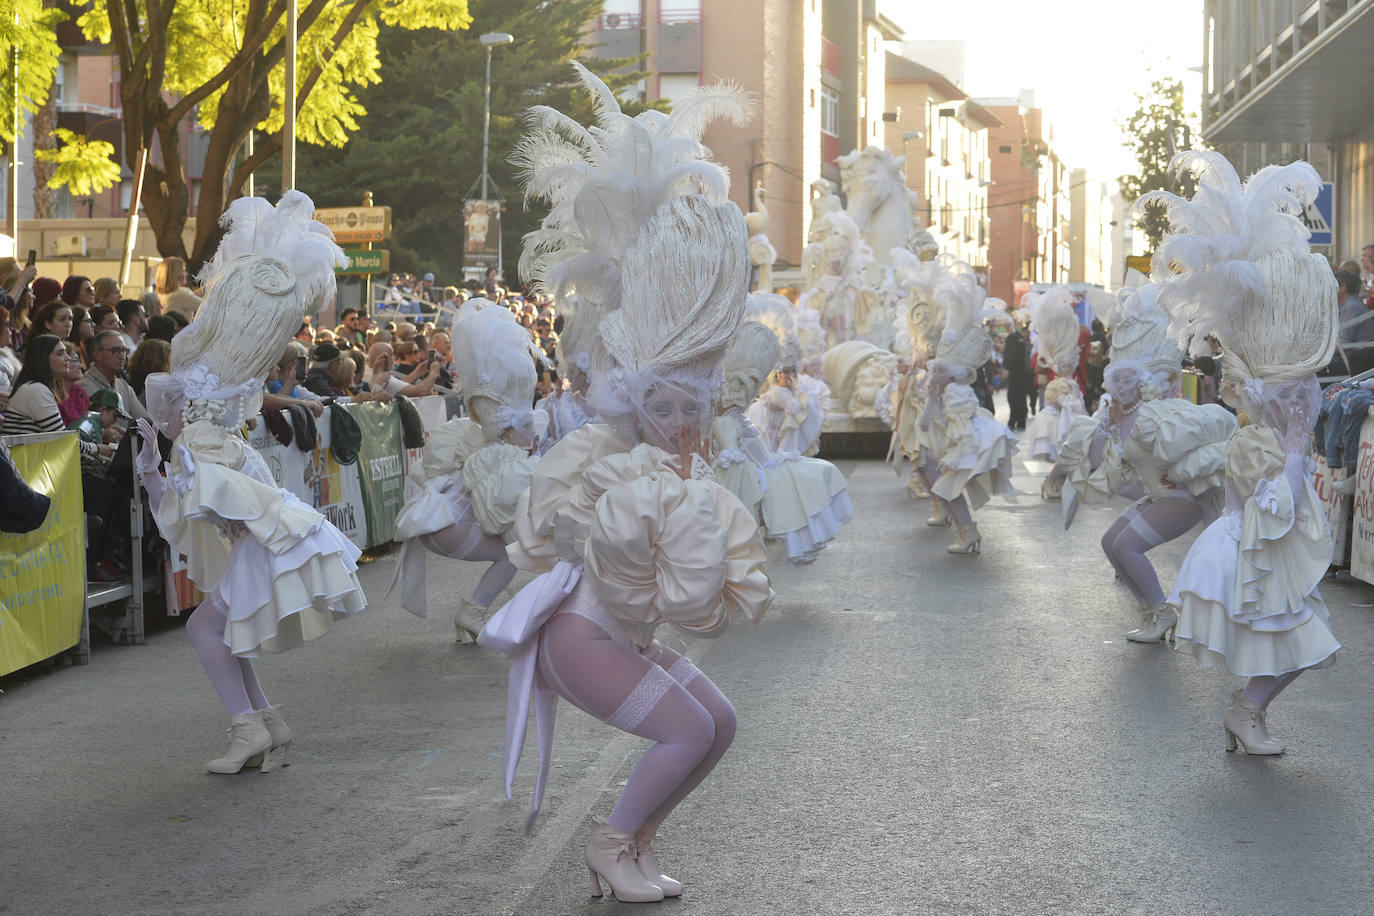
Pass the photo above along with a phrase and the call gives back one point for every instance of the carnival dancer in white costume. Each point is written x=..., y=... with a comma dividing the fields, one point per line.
x=1248, y=593
x=1145, y=437
x=965, y=451
x=276, y=573
x=566, y=407
x=623, y=519
x=791, y=411
x=1057, y=348
x=474, y=469
x=801, y=502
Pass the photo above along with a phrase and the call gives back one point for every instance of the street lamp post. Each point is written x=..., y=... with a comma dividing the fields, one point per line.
x=490, y=40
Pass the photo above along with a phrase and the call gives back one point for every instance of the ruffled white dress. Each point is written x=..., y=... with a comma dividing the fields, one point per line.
x=1050, y=427
x=801, y=502
x=620, y=538
x=973, y=448
x=279, y=570
x=790, y=419
x=1248, y=593
x=464, y=477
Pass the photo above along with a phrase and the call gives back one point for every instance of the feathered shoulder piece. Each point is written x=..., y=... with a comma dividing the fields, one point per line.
x=601, y=183
x=964, y=341
x=1236, y=264
x=495, y=359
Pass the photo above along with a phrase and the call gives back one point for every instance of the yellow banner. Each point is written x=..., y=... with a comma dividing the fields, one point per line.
x=43, y=573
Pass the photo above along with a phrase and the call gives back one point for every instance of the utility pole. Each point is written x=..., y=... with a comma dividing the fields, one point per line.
x=490, y=40
x=16, y=123
x=288, y=124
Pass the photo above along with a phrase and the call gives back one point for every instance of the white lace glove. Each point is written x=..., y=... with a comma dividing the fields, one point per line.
x=148, y=462
x=701, y=468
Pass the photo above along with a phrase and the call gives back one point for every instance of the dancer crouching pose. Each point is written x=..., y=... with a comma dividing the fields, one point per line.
x=474, y=469
x=1145, y=437
x=623, y=516
x=1058, y=338
x=965, y=452
x=1237, y=265
x=275, y=571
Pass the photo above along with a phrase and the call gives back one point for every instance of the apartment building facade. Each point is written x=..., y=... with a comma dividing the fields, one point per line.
x=815, y=67
x=1289, y=79
x=944, y=136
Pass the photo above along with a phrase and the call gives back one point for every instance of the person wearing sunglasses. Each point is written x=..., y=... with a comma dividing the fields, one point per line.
x=110, y=354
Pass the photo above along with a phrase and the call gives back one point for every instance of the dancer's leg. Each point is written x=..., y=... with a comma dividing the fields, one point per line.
x=722, y=714
x=467, y=541
x=252, y=687
x=1109, y=537
x=1155, y=523
x=613, y=682
x=1265, y=687
x=205, y=629
x=958, y=510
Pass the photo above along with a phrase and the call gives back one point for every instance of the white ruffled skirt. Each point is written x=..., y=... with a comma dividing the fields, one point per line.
x=984, y=474
x=1205, y=592
x=805, y=502
x=276, y=602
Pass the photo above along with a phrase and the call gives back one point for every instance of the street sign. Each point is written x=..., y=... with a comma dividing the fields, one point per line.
x=365, y=262
x=1319, y=215
x=357, y=224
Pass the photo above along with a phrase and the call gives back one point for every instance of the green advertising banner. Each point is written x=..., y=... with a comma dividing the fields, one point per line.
x=381, y=465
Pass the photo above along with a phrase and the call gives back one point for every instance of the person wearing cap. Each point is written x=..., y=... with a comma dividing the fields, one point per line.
x=98, y=426
x=331, y=376
x=110, y=352
x=428, y=295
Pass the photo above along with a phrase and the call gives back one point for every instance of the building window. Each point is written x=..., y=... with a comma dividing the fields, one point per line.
x=830, y=111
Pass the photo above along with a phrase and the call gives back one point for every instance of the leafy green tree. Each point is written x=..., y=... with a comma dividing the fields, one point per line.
x=419, y=149
x=81, y=165
x=221, y=62
x=1159, y=127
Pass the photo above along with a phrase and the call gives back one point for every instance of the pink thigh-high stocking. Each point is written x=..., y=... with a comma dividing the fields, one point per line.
x=1139, y=529
x=233, y=678
x=467, y=541
x=655, y=694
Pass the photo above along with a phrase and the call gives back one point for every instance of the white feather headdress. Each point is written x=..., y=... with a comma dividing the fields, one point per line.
x=748, y=360
x=779, y=315
x=494, y=357
x=270, y=264
x=964, y=342
x=1236, y=264
x=1057, y=329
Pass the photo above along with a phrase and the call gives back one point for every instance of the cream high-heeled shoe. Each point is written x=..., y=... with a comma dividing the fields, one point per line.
x=1155, y=623
x=939, y=518
x=1244, y=724
x=611, y=854
x=970, y=541
x=469, y=620
x=282, y=737
x=248, y=738
x=646, y=842
x=1051, y=489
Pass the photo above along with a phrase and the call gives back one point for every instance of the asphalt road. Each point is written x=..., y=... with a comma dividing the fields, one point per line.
x=919, y=733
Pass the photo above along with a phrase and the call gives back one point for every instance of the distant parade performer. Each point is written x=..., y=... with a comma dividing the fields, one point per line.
x=965, y=452
x=1058, y=352
x=1236, y=264
x=474, y=469
x=275, y=571
x=1145, y=440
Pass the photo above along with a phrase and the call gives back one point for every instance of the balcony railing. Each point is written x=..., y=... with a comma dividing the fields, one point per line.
x=609, y=22
x=683, y=16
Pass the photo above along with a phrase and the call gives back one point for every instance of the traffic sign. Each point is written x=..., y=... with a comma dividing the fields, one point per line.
x=365, y=262
x=357, y=224
x=1319, y=215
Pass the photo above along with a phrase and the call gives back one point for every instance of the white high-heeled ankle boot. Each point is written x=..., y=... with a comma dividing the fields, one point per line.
x=1155, y=623
x=611, y=854
x=248, y=737
x=939, y=518
x=282, y=737
x=1245, y=725
x=646, y=842
x=1051, y=489
x=970, y=540
x=469, y=620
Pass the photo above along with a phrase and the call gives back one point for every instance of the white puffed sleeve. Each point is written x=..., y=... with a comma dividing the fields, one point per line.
x=687, y=552
x=495, y=476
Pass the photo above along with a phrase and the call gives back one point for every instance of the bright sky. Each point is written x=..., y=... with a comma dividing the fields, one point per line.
x=1085, y=59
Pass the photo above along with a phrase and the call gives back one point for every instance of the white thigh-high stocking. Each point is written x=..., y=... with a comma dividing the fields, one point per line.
x=621, y=687
x=1265, y=687
x=467, y=541
x=233, y=678
x=1149, y=525
x=957, y=508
